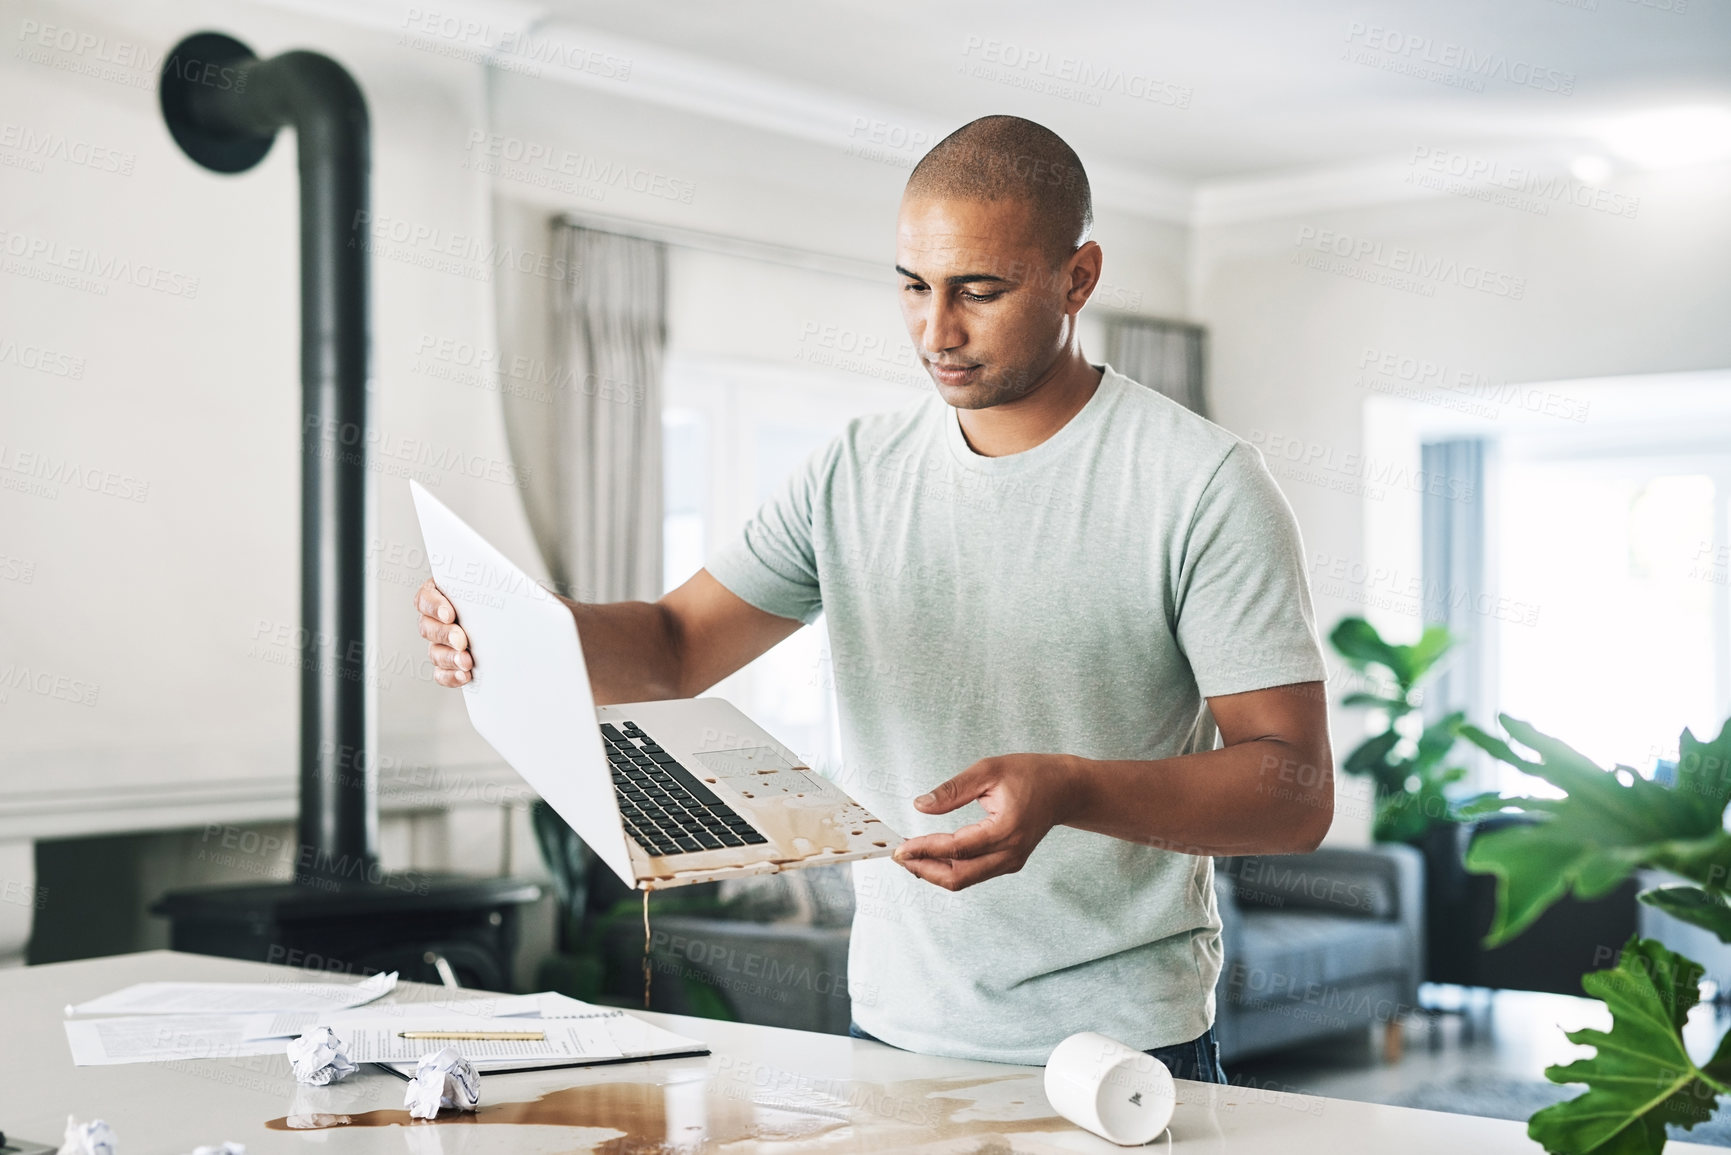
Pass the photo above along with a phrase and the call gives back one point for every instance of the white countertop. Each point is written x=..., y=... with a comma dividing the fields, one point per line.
x=763, y=1089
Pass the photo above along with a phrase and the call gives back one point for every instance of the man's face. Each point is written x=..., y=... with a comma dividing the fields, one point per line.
x=984, y=302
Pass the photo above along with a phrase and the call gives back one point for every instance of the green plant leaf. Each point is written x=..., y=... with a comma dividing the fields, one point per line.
x=1424, y=653
x=1693, y=905
x=1705, y=860
x=1535, y=866
x=1437, y=740
x=1632, y=807
x=1395, y=706
x=1641, y=1077
x=1704, y=770
x=1497, y=748
x=1358, y=642
x=1608, y=824
x=1491, y=802
x=1372, y=753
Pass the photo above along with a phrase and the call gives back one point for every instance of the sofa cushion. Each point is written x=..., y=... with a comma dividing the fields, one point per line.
x=1283, y=882
x=1287, y=955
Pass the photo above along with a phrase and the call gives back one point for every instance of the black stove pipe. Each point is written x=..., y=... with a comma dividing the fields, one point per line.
x=224, y=107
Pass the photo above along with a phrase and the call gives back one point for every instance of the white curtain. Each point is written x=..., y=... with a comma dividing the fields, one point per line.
x=584, y=418
x=1452, y=532
x=1166, y=356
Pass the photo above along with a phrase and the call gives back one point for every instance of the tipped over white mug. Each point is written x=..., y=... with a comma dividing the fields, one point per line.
x=1115, y=1091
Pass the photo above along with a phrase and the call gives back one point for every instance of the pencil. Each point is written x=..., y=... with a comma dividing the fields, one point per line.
x=515, y=1036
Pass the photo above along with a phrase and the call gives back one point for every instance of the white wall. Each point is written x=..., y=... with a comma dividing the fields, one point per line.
x=176, y=610
x=169, y=618
x=1602, y=295
x=739, y=181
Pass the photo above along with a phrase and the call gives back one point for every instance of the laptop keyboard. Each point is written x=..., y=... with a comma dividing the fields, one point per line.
x=666, y=809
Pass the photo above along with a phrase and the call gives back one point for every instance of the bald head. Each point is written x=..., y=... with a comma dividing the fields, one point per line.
x=999, y=158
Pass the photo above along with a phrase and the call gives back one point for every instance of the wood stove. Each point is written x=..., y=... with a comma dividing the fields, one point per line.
x=224, y=108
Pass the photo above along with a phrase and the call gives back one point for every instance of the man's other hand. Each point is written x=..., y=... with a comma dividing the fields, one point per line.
x=1024, y=796
x=447, y=643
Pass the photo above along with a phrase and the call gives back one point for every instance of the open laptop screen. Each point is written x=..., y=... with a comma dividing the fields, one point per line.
x=529, y=697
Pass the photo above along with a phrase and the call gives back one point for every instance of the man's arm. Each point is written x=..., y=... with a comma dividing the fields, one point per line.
x=1269, y=790
x=677, y=647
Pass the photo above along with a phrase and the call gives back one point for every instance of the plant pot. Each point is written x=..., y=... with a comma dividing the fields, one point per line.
x=1451, y=948
x=1567, y=941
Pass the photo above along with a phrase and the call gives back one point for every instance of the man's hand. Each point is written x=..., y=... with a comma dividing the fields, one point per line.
x=1024, y=796
x=1268, y=790
x=447, y=643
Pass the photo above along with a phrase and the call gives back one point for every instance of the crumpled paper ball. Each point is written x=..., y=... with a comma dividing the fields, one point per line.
x=92, y=1138
x=318, y=1059
x=442, y=1079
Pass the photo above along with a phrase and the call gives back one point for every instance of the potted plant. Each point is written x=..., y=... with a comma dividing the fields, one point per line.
x=1607, y=825
x=1404, y=763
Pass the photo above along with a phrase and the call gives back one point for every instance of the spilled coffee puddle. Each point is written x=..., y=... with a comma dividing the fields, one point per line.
x=650, y=1118
x=702, y=1115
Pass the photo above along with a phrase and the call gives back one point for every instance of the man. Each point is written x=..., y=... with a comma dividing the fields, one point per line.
x=1034, y=578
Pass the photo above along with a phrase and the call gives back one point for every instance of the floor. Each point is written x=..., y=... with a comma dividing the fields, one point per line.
x=1481, y=1052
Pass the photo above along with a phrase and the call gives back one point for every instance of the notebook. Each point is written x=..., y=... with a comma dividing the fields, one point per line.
x=635, y=1039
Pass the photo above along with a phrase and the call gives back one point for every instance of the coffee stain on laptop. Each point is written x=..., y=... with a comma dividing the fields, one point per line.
x=803, y=820
x=799, y=826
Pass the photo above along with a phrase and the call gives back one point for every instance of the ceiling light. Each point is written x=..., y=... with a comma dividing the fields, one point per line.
x=1671, y=137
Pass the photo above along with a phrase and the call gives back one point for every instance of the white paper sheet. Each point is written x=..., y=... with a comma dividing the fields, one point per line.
x=162, y=1038
x=639, y=1039
x=235, y=998
x=379, y=1041
x=553, y=1005
x=491, y=1007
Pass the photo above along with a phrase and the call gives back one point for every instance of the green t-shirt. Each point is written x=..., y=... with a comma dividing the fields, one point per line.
x=1081, y=597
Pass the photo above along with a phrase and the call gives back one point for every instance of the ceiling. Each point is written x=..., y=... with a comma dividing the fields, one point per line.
x=1269, y=89
x=1240, y=88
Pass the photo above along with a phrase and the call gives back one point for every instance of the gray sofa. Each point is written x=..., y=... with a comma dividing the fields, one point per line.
x=1316, y=945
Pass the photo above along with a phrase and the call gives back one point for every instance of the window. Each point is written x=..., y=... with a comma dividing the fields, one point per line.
x=684, y=461
x=734, y=431
x=1632, y=638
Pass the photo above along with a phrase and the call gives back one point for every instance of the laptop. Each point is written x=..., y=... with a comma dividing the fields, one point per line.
x=665, y=793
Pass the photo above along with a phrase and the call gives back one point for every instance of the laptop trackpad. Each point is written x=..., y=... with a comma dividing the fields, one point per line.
x=757, y=772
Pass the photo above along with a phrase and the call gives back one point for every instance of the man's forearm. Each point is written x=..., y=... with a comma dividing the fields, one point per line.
x=631, y=649
x=1259, y=797
x=677, y=647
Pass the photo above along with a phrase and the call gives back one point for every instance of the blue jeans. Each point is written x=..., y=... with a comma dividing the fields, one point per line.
x=1198, y=1060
